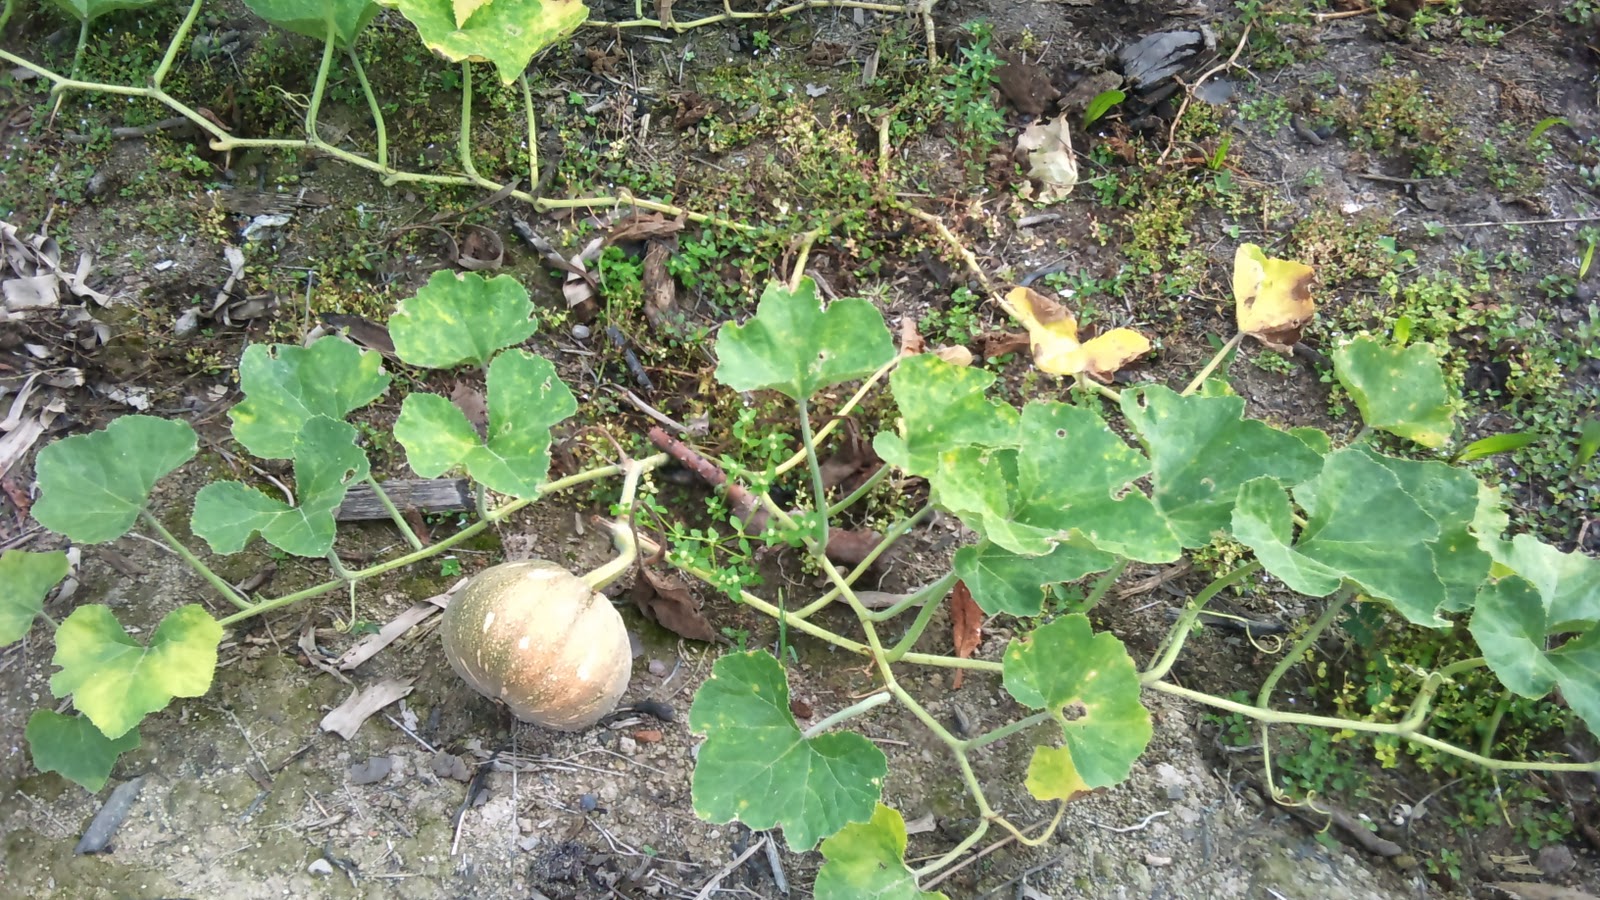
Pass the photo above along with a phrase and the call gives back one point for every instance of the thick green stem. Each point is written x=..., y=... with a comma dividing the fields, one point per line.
x=1104, y=584
x=799, y=457
x=336, y=566
x=819, y=495
x=849, y=712
x=1486, y=746
x=533, y=132
x=626, y=541
x=252, y=610
x=918, y=626
x=1296, y=652
x=1005, y=731
x=894, y=533
x=394, y=513
x=1200, y=379
x=374, y=107
x=928, y=595
x=1187, y=621
x=5, y=13
x=227, y=590
x=314, y=108
x=178, y=37
x=866, y=487
x=955, y=852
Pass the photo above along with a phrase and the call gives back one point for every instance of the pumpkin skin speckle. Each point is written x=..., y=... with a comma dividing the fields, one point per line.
x=538, y=638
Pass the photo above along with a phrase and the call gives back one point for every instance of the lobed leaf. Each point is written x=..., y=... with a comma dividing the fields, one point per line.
x=525, y=398
x=942, y=406
x=25, y=580
x=1002, y=581
x=1361, y=525
x=1511, y=626
x=1202, y=449
x=1400, y=390
x=1272, y=297
x=504, y=32
x=318, y=19
x=756, y=766
x=796, y=347
x=461, y=318
x=116, y=681
x=1568, y=583
x=227, y=514
x=89, y=10
x=1089, y=683
x=1069, y=481
x=286, y=386
x=92, y=486
x=74, y=748
x=1451, y=497
x=868, y=860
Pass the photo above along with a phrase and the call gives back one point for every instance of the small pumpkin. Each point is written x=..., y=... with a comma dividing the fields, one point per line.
x=540, y=639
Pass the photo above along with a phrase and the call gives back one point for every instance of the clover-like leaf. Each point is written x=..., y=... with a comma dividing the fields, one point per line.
x=1053, y=337
x=1052, y=775
x=1202, y=449
x=1451, y=497
x=92, y=486
x=1568, y=583
x=1511, y=628
x=286, y=386
x=757, y=767
x=25, y=579
x=461, y=318
x=1272, y=297
x=526, y=398
x=116, y=681
x=89, y=10
x=1089, y=683
x=867, y=861
x=796, y=347
x=326, y=460
x=317, y=19
x=1360, y=525
x=1002, y=581
x=1070, y=479
x=1398, y=389
x=504, y=32
x=942, y=406
x=74, y=748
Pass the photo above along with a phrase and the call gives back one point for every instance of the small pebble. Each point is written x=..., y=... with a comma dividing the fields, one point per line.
x=627, y=746
x=1555, y=860
x=658, y=668
x=320, y=867
x=581, y=332
x=588, y=802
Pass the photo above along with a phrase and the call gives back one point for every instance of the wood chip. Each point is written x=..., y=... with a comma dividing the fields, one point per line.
x=368, y=647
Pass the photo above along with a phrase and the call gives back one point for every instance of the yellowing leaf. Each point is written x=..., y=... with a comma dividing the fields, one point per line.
x=464, y=10
x=1053, y=337
x=1272, y=297
x=1051, y=162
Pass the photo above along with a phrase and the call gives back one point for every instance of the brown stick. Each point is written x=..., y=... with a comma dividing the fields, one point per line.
x=746, y=508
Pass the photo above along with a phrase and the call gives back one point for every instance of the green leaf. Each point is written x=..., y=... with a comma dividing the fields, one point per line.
x=942, y=406
x=795, y=347
x=525, y=399
x=867, y=861
x=1495, y=443
x=1069, y=481
x=116, y=681
x=74, y=748
x=316, y=18
x=25, y=580
x=326, y=461
x=1089, y=683
x=1360, y=525
x=461, y=319
x=756, y=766
x=1100, y=105
x=1511, y=629
x=1002, y=581
x=1451, y=498
x=1052, y=775
x=285, y=386
x=92, y=486
x=1568, y=583
x=1400, y=390
x=504, y=32
x=1588, y=444
x=1202, y=449
x=89, y=10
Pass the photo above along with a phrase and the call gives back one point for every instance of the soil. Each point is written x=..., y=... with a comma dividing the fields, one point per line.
x=442, y=795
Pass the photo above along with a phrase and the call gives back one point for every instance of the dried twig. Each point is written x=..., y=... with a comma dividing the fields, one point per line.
x=1189, y=89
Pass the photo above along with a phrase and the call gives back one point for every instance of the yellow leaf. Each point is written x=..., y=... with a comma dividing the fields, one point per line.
x=1052, y=775
x=464, y=10
x=1102, y=356
x=1272, y=297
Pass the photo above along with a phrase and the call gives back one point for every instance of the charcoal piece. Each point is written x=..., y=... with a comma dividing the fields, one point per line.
x=106, y=822
x=1157, y=57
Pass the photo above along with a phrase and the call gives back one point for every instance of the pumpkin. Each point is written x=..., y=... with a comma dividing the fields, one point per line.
x=540, y=639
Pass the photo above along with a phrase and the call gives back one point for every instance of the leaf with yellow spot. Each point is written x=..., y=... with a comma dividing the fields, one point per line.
x=1398, y=389
x=1053, y=337
x=1272, y=297
x=464, y=10
x=1053, y=776
x=756, y=765
x=461, y=319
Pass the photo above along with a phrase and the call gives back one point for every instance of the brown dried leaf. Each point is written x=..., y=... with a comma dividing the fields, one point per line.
x=643, y=227
x=481, y=249
x=667, y=601
x=345, y=720
x=966, y=621
x=472, y=404
x=955, y=356
x=999, y=343
x=911, y=342
x=660, y=291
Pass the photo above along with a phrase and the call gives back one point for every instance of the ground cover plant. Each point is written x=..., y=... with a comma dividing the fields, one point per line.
x=1394, y=523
